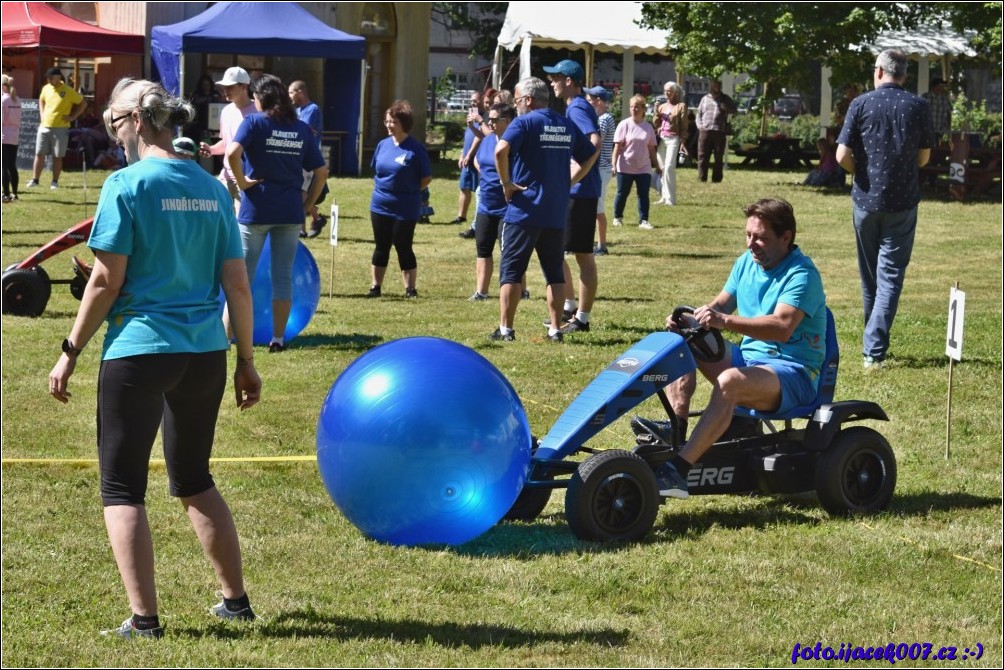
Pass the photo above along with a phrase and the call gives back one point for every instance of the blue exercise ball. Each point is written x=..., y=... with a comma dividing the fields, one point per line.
x=422, y=441
x=306, y=294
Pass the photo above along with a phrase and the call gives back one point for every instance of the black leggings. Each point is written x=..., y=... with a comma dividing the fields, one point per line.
x=388, y=232
x=10, y=178
x=134, y=395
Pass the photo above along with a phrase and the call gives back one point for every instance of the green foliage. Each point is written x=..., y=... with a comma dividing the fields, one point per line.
x=746, y=129
x=482, y=20
x=774, y=42
x=973, y=117
x=444, y=85
x=982, y=20
x=720, y=580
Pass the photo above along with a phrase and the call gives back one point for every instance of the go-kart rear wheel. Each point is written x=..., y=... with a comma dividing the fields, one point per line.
x=532, y=500
x=26, y=291
x=857, y=473
x=612, y=496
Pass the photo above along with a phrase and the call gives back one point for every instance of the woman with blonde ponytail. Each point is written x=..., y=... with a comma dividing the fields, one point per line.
x=165, y=242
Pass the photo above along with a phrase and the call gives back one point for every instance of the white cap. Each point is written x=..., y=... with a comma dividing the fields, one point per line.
x=235, y=75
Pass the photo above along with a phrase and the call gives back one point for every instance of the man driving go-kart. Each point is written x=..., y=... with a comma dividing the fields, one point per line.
x=773, y=298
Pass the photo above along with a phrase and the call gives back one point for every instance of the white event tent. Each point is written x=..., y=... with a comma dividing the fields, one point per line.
x=610, y=29
x=614, y=29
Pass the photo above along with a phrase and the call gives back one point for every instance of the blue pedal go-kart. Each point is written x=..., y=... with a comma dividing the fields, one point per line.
x=613, y=495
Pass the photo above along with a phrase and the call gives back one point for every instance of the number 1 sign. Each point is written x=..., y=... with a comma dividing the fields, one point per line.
x=956, y=319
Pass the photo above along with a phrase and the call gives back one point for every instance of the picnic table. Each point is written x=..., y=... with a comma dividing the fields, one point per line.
x=777, y=151
x=967, y=169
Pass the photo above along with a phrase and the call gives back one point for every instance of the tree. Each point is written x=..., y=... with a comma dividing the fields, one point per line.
x=982, y=22
x=775, y=42
x=482, y=20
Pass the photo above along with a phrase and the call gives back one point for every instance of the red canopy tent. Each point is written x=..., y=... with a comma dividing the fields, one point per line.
x=34, y=26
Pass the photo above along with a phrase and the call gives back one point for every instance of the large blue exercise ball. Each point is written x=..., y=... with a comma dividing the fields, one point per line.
x=306, y=294
x=422, y=441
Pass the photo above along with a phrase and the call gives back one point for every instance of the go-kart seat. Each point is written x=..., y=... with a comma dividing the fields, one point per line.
x=827, y=382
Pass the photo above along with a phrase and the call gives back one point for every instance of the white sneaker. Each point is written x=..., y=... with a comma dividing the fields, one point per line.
x=618, y=222
x=645, y=225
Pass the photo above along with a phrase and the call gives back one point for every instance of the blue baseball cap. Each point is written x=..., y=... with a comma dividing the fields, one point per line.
x=569, y=68
x=598, y=92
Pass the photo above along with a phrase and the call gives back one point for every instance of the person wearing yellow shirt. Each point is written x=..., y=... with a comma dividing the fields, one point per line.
x=58, y=107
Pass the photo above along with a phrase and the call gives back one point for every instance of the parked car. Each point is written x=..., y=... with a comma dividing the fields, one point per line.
x=788, y=107
x=746, y=103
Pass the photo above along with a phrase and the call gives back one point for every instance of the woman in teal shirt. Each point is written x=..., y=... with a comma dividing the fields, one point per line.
x=165, y=241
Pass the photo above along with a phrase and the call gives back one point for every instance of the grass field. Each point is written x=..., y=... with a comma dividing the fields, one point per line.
x=720, y=581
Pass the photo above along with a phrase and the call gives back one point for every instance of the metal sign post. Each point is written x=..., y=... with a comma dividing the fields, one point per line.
x=333, y=240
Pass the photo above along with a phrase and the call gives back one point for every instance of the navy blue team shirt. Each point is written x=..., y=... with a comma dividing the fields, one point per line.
x=541, y=144
x=884, y=130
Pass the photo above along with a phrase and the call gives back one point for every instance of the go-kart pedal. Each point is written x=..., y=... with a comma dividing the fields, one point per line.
x=652, y=432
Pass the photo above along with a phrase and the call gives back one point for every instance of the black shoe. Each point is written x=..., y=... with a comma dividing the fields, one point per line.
x=575, y=326
x=317, y=225
x=566, y=316
x=459, y=219
x=651, y=431
x=600, y=251
x=303, y=234
x=671, y=482
x=467, y=234
x=276, y=348
x=525, y=295
x=424, y=219
x=498, y=336
x=557, y=337
x=478, y=296
x=410, y=293
x=374, y=292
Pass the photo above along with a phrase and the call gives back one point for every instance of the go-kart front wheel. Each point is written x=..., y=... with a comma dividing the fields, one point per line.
x=612, y=496
x=857, y=473
x=26, y=291
x=532, y=500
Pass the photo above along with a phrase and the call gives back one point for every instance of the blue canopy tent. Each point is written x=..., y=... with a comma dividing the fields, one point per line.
x=273, y=29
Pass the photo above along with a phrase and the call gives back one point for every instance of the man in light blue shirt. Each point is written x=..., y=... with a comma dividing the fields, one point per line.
x=773, y=298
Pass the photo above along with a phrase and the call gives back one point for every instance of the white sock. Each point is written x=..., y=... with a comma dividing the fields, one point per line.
x=583, y=317
x=277, y=340
x=571, y=305
x=505, y=331
x=552, y=331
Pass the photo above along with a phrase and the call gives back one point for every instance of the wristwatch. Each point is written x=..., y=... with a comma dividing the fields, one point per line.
x=69, y=349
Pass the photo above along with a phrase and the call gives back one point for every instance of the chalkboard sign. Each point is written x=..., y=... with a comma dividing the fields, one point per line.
x=29, y=130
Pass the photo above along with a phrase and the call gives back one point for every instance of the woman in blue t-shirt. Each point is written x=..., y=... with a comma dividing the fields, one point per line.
x=268, y=156
x=491, y=201
x=401, y=170
x=165, y=242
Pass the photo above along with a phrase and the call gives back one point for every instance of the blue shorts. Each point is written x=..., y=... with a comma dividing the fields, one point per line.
x=797, y=388
x=468, y=179
x=518, y=242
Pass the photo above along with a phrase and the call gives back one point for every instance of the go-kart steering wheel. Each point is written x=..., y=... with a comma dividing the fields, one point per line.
x=707, y=344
